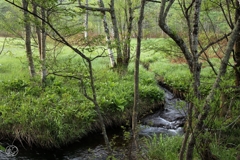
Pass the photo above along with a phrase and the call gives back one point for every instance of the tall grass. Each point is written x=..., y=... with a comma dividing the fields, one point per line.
x=163, y=147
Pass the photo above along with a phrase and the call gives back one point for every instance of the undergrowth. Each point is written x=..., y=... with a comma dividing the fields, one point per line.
x=59, y=114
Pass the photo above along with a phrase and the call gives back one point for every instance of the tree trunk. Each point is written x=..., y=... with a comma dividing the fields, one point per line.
x=86, y=22
x=127, y=42
x=136, y=85
x=97, y=108
x=106, y=30
x=194, y=47
x=28, y=39
x=41, y=38
x=116, y=35
x=237, y=49
x=187, y=134
x=177, y=39
x=43, y=48
x=38, y=28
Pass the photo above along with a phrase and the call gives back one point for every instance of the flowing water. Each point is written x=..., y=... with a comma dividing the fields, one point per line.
x=169, y=121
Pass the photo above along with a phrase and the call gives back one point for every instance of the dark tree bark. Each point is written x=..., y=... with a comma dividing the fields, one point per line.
x=28, y=47
x=127, y=41
x=194, y=47
x=237, y=49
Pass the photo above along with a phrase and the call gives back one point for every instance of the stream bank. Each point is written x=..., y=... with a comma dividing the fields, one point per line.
x=168, y=121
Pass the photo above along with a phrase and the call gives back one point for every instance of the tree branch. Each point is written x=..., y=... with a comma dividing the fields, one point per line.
x=94, y=9
x=212, y=43
x=164, y=26
x=153, y=1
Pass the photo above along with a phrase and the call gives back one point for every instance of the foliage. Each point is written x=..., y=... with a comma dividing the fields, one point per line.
x=59, y=113
x=117, y=93
x=47, y=118
x=163, y=148
x=223, y=152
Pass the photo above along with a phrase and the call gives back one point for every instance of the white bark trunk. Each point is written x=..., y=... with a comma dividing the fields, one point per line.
x=86, y=22
x=106, y=30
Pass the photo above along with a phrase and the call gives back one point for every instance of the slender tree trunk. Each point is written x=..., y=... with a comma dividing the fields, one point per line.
x=43, y=48
x=41, y=38
x=237, y=49
x=97, y=108
x=108, y=39
x=136, y=85
x=38, y=28
x=86, y=21
x=194, y=47
x=127, y=42
x=116, y=35
x=187, y=134
x=196, y=69
x=28, y=39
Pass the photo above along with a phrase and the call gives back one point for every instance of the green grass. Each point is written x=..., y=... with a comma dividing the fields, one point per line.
x=59, y=113
x=12, y=60
x=168, y=148
x=163, y=148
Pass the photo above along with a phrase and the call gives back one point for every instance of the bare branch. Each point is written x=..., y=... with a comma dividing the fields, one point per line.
x=212, y=43
x=208, y=60
x=226, y=17
x=153, y=1
x=94, y=8
x=58, y=73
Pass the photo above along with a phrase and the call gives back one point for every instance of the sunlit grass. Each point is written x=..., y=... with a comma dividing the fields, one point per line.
x=12, y=60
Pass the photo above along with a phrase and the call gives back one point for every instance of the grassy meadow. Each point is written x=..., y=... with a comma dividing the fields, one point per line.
x=60, y=114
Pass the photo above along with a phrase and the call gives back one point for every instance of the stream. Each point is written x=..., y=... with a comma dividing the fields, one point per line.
x=169, y=121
